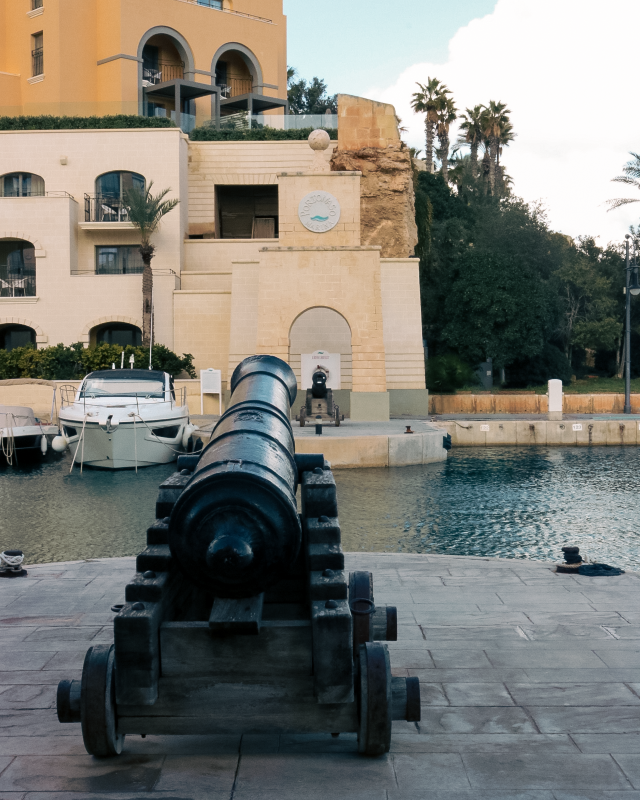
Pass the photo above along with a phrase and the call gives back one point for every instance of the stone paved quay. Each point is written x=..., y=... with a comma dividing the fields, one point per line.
x=530, y=690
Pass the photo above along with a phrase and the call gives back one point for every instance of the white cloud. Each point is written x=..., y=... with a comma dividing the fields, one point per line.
x=568, y=70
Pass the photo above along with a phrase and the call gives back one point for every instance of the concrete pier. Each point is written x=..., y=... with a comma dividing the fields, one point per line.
x=529, y=679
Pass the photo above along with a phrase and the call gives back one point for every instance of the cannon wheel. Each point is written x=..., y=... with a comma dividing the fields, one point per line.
x=336, y=415
x=361, y=588
x=97, y=704
x=374, y=729
x=303, y=416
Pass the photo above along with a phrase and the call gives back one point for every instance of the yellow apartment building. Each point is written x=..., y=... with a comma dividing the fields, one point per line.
x=239, y=269
x=193, y=58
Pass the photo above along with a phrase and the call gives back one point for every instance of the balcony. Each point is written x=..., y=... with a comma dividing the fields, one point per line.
x=101, y=209
x=37, y=62
x=235, y=87
x=162, y=72
x=18, y=287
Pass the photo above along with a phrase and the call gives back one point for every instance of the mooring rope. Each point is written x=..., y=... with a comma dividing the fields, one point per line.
x=84, y=422
x=11, y=562
x=9, y=444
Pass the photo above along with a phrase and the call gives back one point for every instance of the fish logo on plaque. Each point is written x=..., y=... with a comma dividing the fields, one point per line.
x=319, y=212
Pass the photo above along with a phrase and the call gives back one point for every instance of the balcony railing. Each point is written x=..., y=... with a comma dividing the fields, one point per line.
x=37, y=62
x=18, y=287
x=234, y=87
x=37, y=193
x=165, y=71
x=213, y=4
x=98, y=208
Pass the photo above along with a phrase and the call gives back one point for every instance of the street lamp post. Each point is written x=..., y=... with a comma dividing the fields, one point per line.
x=632, y=288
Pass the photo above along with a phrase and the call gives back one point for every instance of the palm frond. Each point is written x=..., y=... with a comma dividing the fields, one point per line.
x=146, y=210
x=621, y=201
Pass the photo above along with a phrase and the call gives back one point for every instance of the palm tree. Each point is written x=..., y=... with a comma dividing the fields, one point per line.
x=471, y=134
x=145, y=211
x=632, y=178
x=505, y=137
x=447, y=113
x=494, y=119
x=426, y=102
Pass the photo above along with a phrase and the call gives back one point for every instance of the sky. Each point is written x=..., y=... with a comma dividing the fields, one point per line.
x=568, y=70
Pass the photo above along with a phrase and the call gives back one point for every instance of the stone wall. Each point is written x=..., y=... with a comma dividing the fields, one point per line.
x=369, y=142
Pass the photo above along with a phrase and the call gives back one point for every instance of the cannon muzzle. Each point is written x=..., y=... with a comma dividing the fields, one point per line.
x=235, y=529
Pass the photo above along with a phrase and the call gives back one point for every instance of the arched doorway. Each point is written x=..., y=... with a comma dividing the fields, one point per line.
x=321, y=329
x=13, y=336
x=17, y=268
x=118, y=333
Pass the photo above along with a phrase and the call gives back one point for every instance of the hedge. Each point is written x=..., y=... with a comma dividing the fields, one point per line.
x=50, y=123
x=75, y=361
x=254, y=134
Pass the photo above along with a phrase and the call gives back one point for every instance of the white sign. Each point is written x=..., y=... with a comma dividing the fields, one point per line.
x=484, y=427
x=577, y=426
x=210, y=383
x=319, y=212
x=328, y=362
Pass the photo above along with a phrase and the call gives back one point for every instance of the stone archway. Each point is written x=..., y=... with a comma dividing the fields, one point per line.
x=321, y=328
x=85, y=338
x=10, y=322
x=182, y=46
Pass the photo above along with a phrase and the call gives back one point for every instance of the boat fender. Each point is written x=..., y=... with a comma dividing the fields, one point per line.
x=59, y=444
x=186, y=435
x=43, y=444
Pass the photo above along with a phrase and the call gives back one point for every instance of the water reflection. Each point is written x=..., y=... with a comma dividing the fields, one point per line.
x=507, y=502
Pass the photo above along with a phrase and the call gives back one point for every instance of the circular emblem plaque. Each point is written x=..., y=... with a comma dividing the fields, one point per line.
x=319, y=212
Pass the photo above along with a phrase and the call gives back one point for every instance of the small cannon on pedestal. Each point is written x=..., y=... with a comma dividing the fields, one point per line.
x=240, y=617
x=319, y=403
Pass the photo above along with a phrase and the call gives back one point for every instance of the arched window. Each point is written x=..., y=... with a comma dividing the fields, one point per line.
x=12, y=336
x=17, y=268
x=321, y=329
x=21, y=184
x=114, y=185
x=119, y=333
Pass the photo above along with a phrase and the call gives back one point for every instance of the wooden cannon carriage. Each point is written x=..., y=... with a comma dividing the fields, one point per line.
x=240, y=617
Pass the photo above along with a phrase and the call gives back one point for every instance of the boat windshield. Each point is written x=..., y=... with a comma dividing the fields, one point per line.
x=99, y=387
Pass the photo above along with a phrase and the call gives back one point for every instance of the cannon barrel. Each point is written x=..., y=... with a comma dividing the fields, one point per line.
x=235, y=529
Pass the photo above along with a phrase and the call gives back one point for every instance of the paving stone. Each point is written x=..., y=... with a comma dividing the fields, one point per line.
x=543, y=656
x=52, y=745
x=478, y=694
x=608, y=742
x=22, y=697
x=524, y=772
x=416, y=659
x=490, y=675
x=433, y=694
x=38, y=677
x=336, y=774
x=601, y=675
x=630, y=765
x=75, y=634
x=476, y=720
x=311, y=743
x=446, y=658
x=482, y=743
x=468, y=794
x=34, y=723
x=619, y=658
x=415, y=773
x=214, y=773
x=576, y=694
x=23, y=659
x=616, y=719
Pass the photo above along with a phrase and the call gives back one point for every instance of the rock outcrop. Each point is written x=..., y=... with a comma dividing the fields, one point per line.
x=387, y=201
x=369, y=142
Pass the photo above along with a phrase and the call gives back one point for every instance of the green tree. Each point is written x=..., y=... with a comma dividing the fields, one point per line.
x=631, y=177
x=309, y=97
x=426, y=101
x=145, y=211
x=471, y=133
x=497, y=308
x=447, y=113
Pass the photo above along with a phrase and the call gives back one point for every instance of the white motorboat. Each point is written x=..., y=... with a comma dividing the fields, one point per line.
x=22, y=433
x=124, y=418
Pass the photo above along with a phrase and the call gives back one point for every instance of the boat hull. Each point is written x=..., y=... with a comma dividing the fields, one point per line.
x=126, y=447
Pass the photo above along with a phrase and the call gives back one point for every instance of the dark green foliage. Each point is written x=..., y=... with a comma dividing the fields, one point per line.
x=497, y=308
x=210, y=134
x=47, y=122
x=74, y=362
x=550, y=364
x=447, y=373
x=309, y=97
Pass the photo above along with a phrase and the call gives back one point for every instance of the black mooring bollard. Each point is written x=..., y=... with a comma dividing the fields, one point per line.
x=318, y=425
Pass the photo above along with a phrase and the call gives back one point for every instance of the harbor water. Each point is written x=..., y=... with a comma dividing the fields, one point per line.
x=507, y=502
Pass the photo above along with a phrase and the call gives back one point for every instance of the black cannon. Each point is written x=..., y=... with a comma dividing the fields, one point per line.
x=240, y=617
x=319, y=403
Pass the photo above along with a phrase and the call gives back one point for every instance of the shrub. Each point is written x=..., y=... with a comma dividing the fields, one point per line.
x=447, y=373
x=46, y=122
x=550, y=364
x=210, y=134
x=74, y=362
